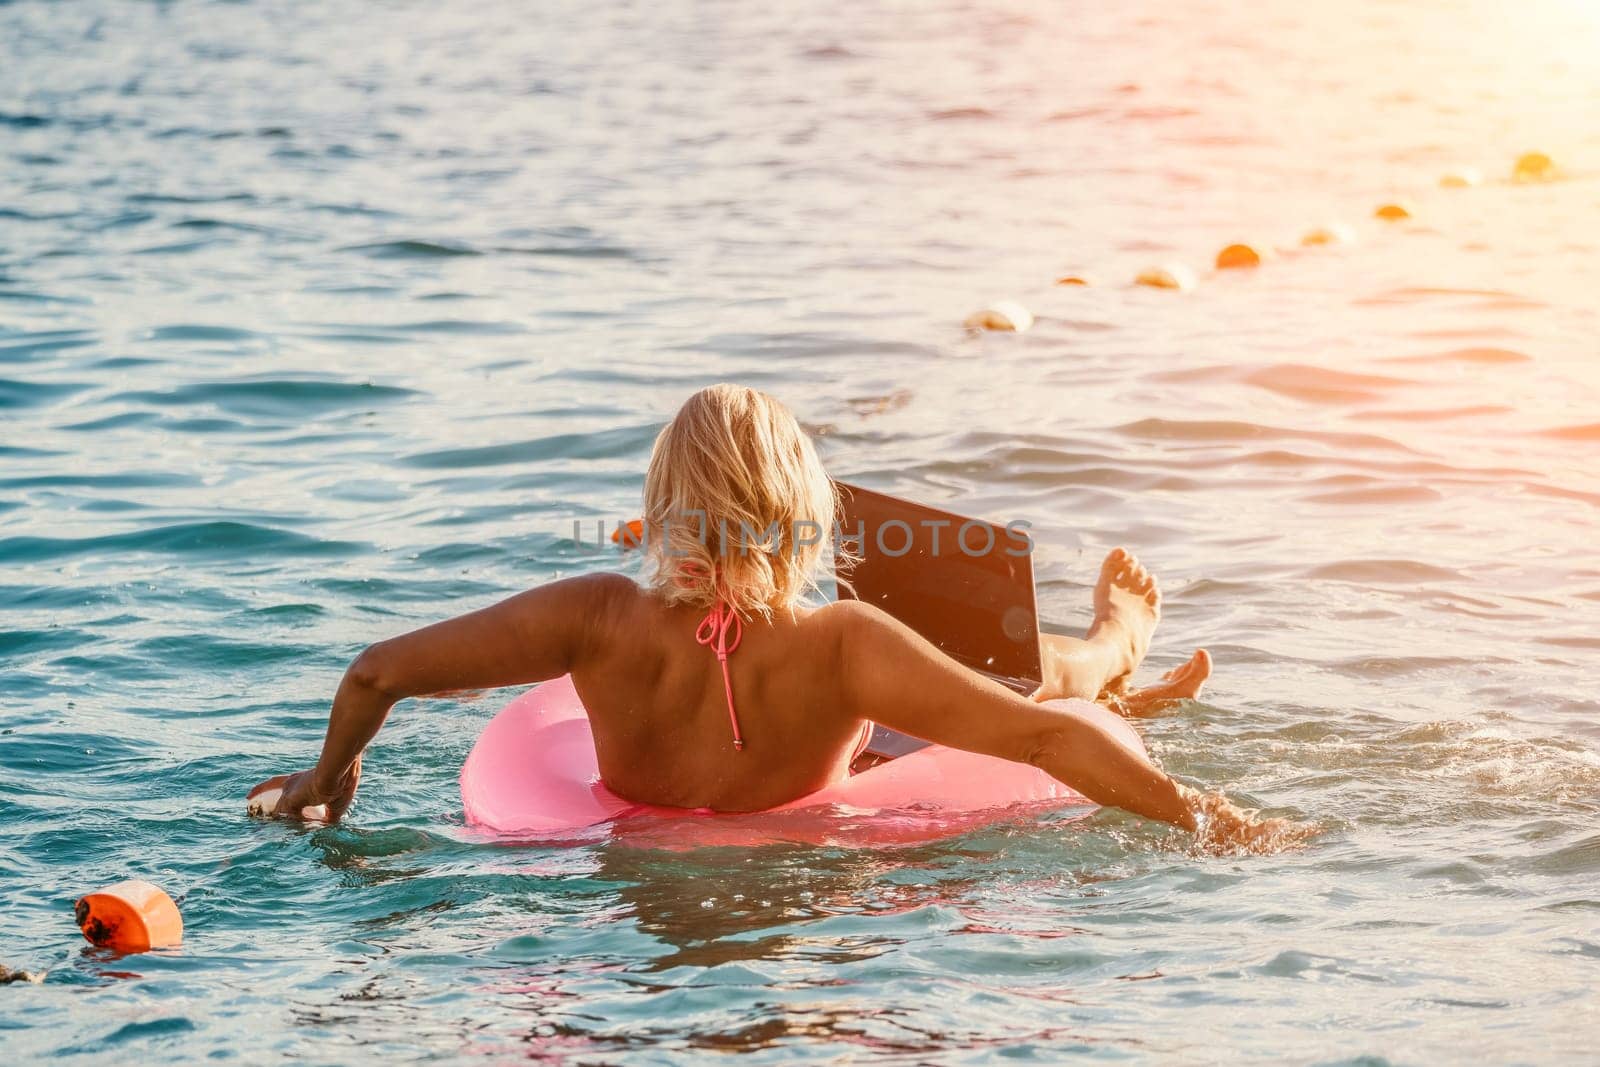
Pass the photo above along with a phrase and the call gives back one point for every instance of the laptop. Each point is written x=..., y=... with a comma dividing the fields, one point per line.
x=964, y=584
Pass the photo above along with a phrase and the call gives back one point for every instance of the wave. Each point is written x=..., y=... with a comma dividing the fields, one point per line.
x=880, y=403
x=112, y=422
x=604, y=444
x=1468, y=355
x=1383, y=571
x=829, y=51
x=180, y=248
x=289, y=398
x=371, y=333
x=1486, y=299
x=413, y=249
x=1432, y=415
x=25, y=452
x=1074, y=114
x=120, y=480
x=1389, y=494
x=199, y=332
x=33, y=642
x=1223, y=431
x=33, y=345
x=19, y=394
x=211, y=652
x=960, y=114
x=1589, y=431
x=802, y=344
x=33, y=296
x=1159, y=112
x=217, y=540
x=1321, y=385
x=19, y=215
x=598, y=251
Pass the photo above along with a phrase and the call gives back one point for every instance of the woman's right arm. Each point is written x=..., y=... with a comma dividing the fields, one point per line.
x=895, y=677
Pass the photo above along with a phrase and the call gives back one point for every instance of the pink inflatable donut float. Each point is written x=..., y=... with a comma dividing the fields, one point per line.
x=533, y=774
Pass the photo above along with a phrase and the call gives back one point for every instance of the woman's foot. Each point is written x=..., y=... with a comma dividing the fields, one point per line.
x=1127, y=606
x=1180, y=683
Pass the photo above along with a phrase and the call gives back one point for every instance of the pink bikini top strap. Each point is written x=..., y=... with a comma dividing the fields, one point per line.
x=714, y=632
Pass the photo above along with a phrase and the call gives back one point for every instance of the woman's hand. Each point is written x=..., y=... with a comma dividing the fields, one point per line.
x=298, y=796
x=1226, y=829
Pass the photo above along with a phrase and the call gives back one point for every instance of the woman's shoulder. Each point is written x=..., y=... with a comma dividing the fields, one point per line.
x=849, y=613
x=595, y=585
x=846, y=619
x=596, y=596
x=607, y=583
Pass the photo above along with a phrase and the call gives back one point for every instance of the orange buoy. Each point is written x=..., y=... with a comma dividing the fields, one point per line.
x=1461, y=179
x=1235, y=257
x=1072, y=279
x=1171, y=276
x=1334, y=233
x=1533, y=167
x=1392, y=212
x=630, y=534
x=131, y=916
x=1006, y=316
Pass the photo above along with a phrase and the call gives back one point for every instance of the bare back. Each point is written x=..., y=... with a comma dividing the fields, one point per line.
x=660, y=717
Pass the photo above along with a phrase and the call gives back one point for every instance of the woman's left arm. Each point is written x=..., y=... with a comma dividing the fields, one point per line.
x=530, y=637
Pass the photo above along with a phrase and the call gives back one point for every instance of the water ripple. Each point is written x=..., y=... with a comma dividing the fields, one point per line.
x=316, y=328
x=216, y=540
x=285, y=398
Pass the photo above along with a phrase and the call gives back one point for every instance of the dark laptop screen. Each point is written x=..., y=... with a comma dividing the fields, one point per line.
x=972, y=597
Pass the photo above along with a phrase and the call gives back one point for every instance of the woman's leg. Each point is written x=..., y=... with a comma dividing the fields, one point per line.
x=1096, y=667
x=1180, y=683
x=1127, y=606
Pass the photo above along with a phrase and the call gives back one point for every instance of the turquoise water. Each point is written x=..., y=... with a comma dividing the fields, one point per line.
x=320, y=322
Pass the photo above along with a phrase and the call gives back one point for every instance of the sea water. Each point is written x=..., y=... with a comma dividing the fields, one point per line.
x=321, y=322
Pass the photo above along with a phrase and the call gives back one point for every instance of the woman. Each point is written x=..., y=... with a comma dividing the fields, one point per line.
x=715, y=686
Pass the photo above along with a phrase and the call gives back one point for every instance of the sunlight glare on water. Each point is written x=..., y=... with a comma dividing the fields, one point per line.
x=318, y=323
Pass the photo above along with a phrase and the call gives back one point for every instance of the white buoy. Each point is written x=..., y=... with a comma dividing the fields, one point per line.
x=1003, y=315
x=1334, y=233
x=1166, y=276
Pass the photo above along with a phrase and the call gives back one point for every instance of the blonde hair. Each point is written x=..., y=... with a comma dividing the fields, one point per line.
x=737, y=506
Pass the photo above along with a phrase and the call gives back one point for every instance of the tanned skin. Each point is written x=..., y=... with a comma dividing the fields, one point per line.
x=807, y=682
